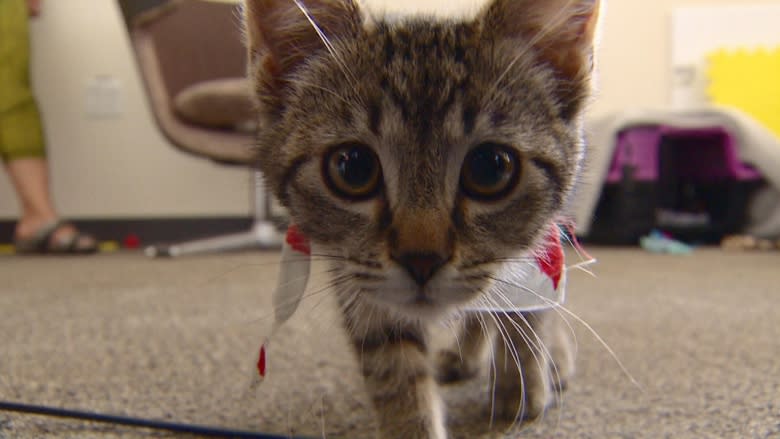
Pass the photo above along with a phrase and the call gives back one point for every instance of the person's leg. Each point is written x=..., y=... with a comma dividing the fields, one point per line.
x=22, y=145
x=30, y=177
x=23, y=152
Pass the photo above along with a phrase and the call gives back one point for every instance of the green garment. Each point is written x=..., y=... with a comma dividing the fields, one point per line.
x=21, y=133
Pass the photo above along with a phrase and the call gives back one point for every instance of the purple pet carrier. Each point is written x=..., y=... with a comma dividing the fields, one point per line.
x=688, y=182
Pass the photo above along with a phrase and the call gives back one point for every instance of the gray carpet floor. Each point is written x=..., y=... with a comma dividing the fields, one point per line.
x=176, y=340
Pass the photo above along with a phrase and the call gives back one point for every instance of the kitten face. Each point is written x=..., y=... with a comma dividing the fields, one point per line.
x=418, y=154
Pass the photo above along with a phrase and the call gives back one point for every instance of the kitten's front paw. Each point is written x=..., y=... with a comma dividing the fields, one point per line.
x=452, y=367
x=562, y=351
x=529, y=378
x=562, y=368
x=522, y=395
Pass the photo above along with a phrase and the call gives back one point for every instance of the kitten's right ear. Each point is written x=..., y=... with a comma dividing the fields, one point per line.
x=282, y=34
x=563, y=31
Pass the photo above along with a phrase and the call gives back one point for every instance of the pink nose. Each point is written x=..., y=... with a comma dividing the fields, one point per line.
x=421, y=266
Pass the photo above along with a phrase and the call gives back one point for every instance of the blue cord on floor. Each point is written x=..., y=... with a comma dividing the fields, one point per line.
x=133, y=422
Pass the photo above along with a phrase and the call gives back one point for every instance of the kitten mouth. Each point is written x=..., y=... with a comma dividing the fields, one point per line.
x=422, y=306
x=422, y=299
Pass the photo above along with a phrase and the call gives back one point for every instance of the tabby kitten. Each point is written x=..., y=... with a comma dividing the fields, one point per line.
x=419, y=154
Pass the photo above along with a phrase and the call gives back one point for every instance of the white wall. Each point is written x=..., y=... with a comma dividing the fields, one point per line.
x=698, y=31
x=119, y=166
x=636, y=52
x=123, y=167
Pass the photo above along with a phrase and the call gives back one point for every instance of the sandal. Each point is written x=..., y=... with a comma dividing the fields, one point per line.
x=43, y=242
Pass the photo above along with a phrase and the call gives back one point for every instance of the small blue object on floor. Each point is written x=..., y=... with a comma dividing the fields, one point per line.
x=658, y=242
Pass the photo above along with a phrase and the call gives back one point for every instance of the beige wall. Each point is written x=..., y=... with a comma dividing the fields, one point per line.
x=123, y=167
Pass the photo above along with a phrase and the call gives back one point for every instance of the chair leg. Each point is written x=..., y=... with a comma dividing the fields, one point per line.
x=263, y=235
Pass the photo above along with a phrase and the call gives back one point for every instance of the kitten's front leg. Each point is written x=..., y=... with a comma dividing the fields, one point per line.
x=394, y=360
x=466, y=358
x=534, y=358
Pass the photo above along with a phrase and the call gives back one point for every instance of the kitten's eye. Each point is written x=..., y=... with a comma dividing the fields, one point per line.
x=489, y=172
x=352, y=171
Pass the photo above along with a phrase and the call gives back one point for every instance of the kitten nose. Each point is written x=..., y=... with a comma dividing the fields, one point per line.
x=421, y=266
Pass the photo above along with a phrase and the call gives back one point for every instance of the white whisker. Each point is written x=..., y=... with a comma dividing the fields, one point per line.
x=558, y=19
x=509, y=346
x=299, y=81
x=582, y=266
x=587, y=326
x=329, y=285
x=328, y=45
x=533, y=346
x=554, y=371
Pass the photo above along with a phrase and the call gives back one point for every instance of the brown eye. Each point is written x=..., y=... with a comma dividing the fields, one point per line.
x=489, y=172
x=352, y=171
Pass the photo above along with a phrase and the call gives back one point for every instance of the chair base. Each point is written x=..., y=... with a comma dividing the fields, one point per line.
x=263, y=235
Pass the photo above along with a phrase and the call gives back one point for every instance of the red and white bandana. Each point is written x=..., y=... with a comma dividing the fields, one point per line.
x=532, y=283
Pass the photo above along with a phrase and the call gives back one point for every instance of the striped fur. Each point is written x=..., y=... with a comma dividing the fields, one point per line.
x=422, y=91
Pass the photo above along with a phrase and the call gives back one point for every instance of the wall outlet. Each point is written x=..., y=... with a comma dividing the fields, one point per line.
x=103, y=97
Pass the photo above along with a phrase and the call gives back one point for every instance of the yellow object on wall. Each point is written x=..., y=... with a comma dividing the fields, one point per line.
x=748, y=80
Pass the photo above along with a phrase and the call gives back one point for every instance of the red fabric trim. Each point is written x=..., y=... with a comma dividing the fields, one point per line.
x=297, y=240
x=261, y=362
x=551, y=261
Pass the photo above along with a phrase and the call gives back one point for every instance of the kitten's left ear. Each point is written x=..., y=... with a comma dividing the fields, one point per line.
x=562, y=31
